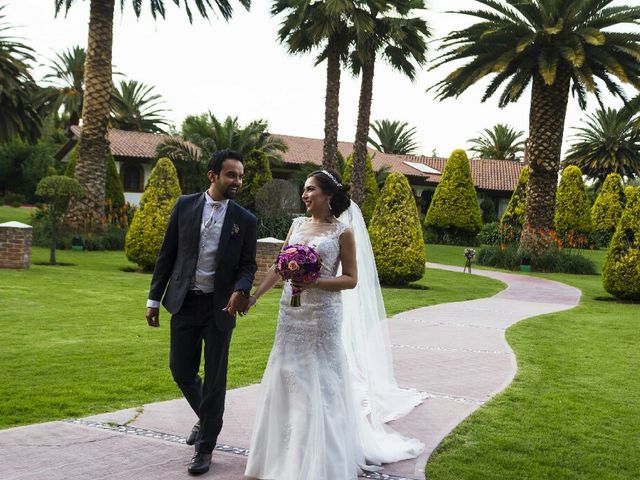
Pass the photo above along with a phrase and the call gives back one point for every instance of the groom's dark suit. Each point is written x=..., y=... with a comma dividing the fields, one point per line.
x=197, y=318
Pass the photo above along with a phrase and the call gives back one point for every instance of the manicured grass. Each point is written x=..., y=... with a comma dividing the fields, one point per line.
x=74, y=341
x=572, y=410
x=454, y=255
x=17, y=214
x=446, y=254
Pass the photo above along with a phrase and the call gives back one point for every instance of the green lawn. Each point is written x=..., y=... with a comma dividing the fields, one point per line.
x=572, y=410
x=20, y=214
x=454, y=255
x=74, y=340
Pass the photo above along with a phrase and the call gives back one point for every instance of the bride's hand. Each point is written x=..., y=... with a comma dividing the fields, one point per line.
x=251, y=302
x=304, y=286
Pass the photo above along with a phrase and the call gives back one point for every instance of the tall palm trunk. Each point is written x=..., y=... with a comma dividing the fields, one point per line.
x=546, y=125
x=93, y=148
x=362, y=133
x=331, y=106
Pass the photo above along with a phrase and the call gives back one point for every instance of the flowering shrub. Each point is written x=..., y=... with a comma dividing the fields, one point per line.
x=545, y=251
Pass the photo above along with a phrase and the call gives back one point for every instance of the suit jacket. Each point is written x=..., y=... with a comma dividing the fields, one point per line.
x=176, y=262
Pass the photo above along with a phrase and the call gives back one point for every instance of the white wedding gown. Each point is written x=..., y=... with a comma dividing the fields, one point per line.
x=309, y=425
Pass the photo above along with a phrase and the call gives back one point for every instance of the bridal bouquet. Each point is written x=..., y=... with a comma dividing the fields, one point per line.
x=299, y=263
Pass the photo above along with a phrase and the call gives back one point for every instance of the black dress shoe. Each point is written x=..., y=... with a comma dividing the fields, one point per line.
x=199, y=463
x=194, y=434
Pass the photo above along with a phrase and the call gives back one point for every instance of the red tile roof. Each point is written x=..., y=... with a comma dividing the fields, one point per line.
x=131, y=144
x=501, y=175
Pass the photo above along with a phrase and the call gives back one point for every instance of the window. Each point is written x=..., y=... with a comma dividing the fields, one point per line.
x=131, y=177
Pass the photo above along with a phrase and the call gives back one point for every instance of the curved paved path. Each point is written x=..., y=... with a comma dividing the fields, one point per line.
x=456, y=352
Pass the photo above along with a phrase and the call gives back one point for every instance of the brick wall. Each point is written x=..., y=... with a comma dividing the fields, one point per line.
x=267, y=250
x=15, y=245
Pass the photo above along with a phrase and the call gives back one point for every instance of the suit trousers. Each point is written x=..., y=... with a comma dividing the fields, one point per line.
x=192, y=326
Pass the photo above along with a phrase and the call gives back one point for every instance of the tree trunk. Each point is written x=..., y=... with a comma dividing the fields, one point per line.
x=362, y=134
x=546, y=126
x=54, y=238
x=93, y=147
x=331, y=105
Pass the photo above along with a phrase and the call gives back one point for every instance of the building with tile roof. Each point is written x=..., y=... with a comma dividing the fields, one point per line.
x=135, y=152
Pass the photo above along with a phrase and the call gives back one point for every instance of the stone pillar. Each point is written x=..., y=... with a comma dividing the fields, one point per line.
x=15, y=245
x=266, y=253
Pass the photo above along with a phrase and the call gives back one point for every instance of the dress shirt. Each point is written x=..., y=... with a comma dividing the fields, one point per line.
x=213, y=215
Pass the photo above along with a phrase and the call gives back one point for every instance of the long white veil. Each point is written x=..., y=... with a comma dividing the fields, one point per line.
x=365, y=336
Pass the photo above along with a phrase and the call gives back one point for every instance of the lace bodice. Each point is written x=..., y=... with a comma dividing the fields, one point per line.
x=324, y=238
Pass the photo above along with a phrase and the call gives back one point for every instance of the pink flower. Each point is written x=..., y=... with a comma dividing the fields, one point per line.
x=290, y=250
x=293, y=265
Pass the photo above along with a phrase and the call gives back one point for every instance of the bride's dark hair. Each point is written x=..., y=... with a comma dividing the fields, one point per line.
x=330, y=182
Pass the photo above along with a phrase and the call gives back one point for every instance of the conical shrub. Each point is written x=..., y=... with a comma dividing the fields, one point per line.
x=113, y=190
x=607, y=209
x=621, y=272
x=257, y=172
x=514, y=214
x=147, y=229
x=396, y=233
x=454, y=210
x=371, y=190
x=573, y=215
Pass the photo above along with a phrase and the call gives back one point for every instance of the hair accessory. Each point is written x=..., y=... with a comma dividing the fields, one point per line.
x=332, y=178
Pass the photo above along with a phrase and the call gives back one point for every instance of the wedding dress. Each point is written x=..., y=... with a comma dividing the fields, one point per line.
x=311, y=422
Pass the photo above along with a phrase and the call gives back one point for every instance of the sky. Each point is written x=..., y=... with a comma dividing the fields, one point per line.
x=239, y=68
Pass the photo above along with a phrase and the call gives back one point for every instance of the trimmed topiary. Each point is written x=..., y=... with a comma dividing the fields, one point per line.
x=607, y=209
x=628, y=192
x=257, y=172
x=70, y=169
x=371, y=190
x=150, y=222
x=454, y=209
x=396, y=233
x=57, y=191
x=514, y=214
x=573, y=215
x=621, y=271
x=113, y=191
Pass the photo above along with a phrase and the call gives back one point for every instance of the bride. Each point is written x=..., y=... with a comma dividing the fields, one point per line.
x=329, y=388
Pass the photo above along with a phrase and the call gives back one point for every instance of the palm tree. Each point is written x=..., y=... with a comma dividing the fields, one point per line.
x=17, y=88
x=401, y=41
x=501, y=142
x=309, y=24
x=394, y=137
x=608, y=143
x=557, y=46
x=67, y=76
x=134, y=106
x=204, y=134
x=93, y=147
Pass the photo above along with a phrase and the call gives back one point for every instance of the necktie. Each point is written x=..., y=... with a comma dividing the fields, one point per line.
x=215, y=206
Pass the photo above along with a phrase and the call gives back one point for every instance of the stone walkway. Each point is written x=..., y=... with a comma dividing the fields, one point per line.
x=456, y=352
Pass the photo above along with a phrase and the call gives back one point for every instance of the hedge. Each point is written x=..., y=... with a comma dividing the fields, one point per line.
x=371, y=190
x=573, y=214
x=607, y=209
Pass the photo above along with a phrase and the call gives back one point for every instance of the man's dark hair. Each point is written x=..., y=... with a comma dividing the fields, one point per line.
x=218, y=158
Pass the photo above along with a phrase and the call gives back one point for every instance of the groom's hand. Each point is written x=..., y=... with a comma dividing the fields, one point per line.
x=238, y=303
x=153, y=317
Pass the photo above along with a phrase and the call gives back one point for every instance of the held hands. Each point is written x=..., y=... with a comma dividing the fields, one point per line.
x=238, y=304
x=153, y=317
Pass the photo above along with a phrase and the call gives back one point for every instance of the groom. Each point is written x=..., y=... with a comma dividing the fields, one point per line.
x=203, y=273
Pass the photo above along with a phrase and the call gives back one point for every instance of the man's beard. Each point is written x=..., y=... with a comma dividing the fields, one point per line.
x=230, y=192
